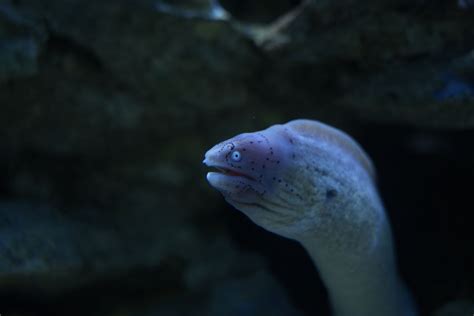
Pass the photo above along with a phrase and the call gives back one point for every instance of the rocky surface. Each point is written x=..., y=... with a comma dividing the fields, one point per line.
x=107, y=108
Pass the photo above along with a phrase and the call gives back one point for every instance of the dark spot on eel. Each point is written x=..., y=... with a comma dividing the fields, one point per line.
x=331, y=193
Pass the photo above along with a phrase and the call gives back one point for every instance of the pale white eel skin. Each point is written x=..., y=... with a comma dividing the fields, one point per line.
x=310, y=182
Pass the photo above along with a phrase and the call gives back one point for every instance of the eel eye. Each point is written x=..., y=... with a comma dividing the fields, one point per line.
x=236, y=156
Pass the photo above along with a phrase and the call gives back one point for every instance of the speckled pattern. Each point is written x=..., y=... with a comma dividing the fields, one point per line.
x=310, y=182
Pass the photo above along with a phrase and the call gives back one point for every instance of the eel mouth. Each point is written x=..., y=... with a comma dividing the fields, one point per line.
x=231, y=172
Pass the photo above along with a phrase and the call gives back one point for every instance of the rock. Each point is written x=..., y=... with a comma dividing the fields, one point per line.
x=107, y=108
x=254, y=294
x=44, y=248
x=21, y=40
x=41, y=248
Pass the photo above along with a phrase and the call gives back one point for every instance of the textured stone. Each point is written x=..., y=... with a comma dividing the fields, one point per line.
x=107, y=108
x=21, y=39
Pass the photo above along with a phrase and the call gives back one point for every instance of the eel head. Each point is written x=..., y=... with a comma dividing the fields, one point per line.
x=253, y=171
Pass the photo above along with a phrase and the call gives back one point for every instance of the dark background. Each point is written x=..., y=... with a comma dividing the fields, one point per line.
x=107, y=108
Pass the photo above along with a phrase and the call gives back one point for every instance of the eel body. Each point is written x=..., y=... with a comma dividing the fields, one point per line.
x=310, y=182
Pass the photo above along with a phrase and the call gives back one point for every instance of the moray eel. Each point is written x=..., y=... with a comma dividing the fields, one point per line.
x=312, y=183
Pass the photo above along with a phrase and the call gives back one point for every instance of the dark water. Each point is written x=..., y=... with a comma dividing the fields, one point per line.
x=106, y=111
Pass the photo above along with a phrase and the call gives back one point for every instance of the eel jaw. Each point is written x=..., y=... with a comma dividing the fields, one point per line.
x=230, y=172
x=227, y=179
